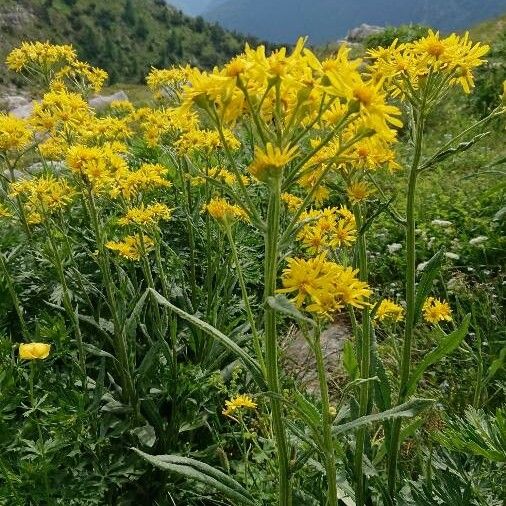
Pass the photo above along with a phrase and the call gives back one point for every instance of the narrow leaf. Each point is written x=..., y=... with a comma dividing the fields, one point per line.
x=425, y=285
x=250, y=363
x=203, y=473
x=447, y=344
x=281, y=304
x=406, y=410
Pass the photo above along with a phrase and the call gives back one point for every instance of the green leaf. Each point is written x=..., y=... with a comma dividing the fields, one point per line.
x=447, y=344
x=131, y=322
x=90, y=348
x=496, y=366
x=203, y=473
x=281, y=304
x=249, y=362
x=425, y=285
x=406, y=410
x=350, y=362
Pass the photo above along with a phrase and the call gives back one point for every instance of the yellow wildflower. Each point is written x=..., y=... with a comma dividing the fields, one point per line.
x=389, y=310
x=223, y=211
x=238, y=402
x=358, y=191
x=292, y=201
x=14, y=133
x=146, y=215
x=435, y=310
x=132, y=247
x=269, y=163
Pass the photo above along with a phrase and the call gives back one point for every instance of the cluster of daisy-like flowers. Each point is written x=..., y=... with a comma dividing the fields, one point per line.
x=403, y=68
x=323, y=287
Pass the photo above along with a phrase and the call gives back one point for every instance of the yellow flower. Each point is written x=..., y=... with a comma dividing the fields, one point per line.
x=43, y=194
x=389, y=310
x=269, y=163
x=292, y=201
x=435, y=310
x=146, y=215
x=225, y=212
x=132, y=246
x=14, y=133
x=358, y=191
x=238, y=402
x=39, y=55
x=34, y=351
x=322, y=286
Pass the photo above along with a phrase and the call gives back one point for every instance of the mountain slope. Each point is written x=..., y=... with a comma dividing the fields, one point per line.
x=125, y=37
x=326, y=20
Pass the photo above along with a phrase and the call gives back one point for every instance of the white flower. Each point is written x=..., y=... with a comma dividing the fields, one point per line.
x=395, y=246
x=442, y=223
x=421, y=266
x=478, y=240
x=452, y=256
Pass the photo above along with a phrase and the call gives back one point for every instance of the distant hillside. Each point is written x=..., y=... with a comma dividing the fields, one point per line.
x=327, y=20
x=125, y=37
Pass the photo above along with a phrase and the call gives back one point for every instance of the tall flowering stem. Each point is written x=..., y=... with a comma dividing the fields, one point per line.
x=418, y=119
x=271, y=341
x=364, y=350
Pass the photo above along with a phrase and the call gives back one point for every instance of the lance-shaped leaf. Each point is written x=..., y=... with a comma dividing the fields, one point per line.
x=281, y=304
x=447, y=344
x=425, y=285
x=250, y=363
x=408, y=409
x=203, y=473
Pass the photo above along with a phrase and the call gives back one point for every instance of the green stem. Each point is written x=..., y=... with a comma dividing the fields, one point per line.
x=410, y=302
x=364, y=346
x=330, y=462
x=271, y=344
x=245, y=298
x=121, y=343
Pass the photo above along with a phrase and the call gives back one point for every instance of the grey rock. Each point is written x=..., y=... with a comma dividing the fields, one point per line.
x=23, y=111
x=54, y=166
x=360, y=33
x=11, y=102
x=102, y=101
x=299, y=361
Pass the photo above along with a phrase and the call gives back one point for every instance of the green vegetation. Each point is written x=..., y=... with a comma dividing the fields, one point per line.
x=124, y=37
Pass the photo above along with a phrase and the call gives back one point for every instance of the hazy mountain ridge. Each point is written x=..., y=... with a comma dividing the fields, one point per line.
x=326, y=20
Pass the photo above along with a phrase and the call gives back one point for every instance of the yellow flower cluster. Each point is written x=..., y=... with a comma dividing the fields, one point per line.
x=390, y=311
x=435, y=310
x=169, y=80
x=223, y=211
x=146, y=215
x=292, y=201
x=326, y=229
x=323, y=287
x=132, y=247
x=205, y=140
x=238, y=402
x=405, y=67
x=15, y=133
x=42, y=195
x=358, y=191
x=39, y=55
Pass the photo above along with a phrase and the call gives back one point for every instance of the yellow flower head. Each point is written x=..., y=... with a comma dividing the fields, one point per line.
x=39, y=55
x=223, y=211
x=435, y=311
x=269, y=163
x=132, y=247
x=358, y=191
x=146, y=215
x=14, y=133
x=4, y=211
x=238, y=402
x=292, y=201
x=34, y=351
x=390, y=311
